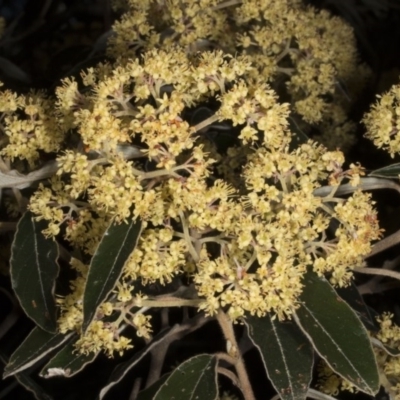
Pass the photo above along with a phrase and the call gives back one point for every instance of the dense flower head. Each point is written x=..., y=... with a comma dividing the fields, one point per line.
x=28, y=126
x=309, y=52
x=383, y=122
x=239, y=219
x=245, y=246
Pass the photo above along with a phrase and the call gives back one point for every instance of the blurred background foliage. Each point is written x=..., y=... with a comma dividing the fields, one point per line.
x=376, y=24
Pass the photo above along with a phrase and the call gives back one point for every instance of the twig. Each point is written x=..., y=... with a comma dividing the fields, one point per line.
x=228, y=3
x=230, y=375
x=226, y=357
x=373, y=286
x=158, y=352
x=384, y=244
x=165, y=301
x=135, y=389
x=8, y=389
x=233, y=350
x=7, y=226
x=201, y=125
x=378, y=271
x=315, y=394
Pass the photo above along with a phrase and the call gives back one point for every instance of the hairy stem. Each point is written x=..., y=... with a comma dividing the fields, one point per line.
x=233, y=350
x=378, y=271
x=170, y=302
x=206, y=122
x=385, y=244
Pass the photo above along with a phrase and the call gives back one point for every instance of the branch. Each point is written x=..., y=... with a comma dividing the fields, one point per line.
x=384, y=244
x=169, y=302
x=14, y=179
x=135, y=388
x=158, y=352
x=230, y=375
x=373, y=285
x=233, y=350
x=378, y=271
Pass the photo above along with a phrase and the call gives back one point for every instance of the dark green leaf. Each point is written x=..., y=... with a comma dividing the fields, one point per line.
x=149, y=393
x=286, y=354
x=36, y=345
x=29, y=384
x=67, y=362
x=298, y=135
x=123, y=368
x=13, y=72
x=107, y=263
x=337, y=334
x=389, y=350
x=199, y=115
x=353, y=298
x=390, y=171
x=196, y=378
x=34, y=270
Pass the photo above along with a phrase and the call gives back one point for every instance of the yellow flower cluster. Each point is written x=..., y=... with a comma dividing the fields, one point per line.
x=383, y=122
x=28, y=126
x=389, y=335
x=280, y=228
x=241, y=221
x=100, y=335
x=157, y=257
x=310, y=53
x=71, y=305
x=266, y=236
x=103, y=336
x=331, y=383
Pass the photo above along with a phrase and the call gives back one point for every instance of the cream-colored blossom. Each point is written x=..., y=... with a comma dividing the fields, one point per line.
x=383, y=122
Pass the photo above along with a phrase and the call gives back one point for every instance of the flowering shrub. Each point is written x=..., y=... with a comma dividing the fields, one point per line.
x=235, y=215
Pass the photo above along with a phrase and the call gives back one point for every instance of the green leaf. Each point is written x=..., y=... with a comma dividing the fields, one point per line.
x=34, y=270
x=390, y=171
x=107, y=263
x=67, y=362
x=150, y=392
x=353, y=298
x=122, y=369
x=31, y=386
x=389, y=350
x=36, y=345
x=28, y=383
x=286, y=353
x=196, y=378
x=337, y=334
x=298, y=135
